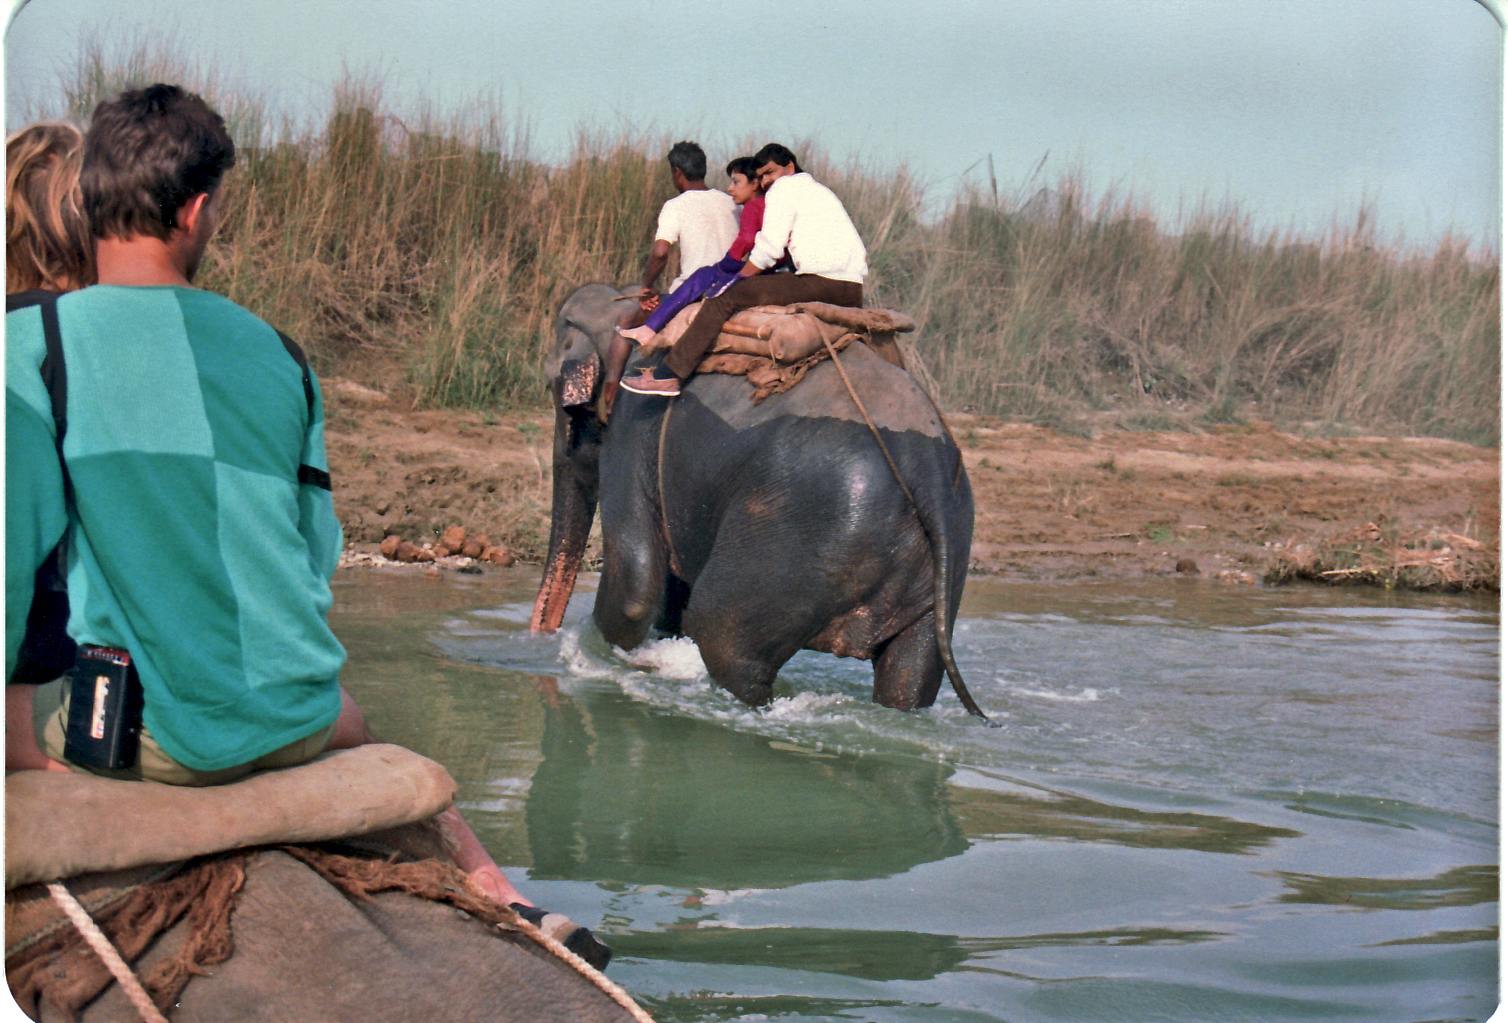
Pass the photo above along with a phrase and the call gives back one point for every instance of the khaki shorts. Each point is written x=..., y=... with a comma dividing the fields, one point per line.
x=50, y=713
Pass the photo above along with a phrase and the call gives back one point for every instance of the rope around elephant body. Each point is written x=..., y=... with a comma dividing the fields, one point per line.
x=939, y=602
x=944, y=641
x=593, y=975
x=96, y=940
x=675, y=565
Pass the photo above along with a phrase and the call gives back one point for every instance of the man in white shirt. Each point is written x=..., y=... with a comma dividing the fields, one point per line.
x=801, y=217
x=704, y=221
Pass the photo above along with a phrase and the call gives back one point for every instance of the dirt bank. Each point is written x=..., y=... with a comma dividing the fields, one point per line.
x=1232, y=504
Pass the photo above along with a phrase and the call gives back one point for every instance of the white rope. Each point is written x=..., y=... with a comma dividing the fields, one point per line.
x=586, y=969
x=565, y=955
x=106, y=951
x=149, y=1013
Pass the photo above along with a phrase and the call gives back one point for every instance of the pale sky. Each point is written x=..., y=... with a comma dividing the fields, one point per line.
x=1298, y=111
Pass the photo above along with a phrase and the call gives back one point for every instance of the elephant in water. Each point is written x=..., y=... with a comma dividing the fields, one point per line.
x=761, y=529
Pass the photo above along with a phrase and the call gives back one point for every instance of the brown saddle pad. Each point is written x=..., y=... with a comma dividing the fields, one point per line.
x=774, y=346
x=767, y=331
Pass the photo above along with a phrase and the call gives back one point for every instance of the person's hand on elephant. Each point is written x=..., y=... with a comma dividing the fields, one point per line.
x=649, y=299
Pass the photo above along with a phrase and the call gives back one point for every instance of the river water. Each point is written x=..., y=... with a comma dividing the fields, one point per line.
x=1203, y=802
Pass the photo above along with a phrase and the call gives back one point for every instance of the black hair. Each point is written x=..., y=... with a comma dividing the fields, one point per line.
x=774, y=152
x=745, y=165
x=688, y=158
x=146, y=154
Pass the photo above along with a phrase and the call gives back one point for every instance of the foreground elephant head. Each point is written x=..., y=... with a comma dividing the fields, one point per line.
x=801, y=522
x=583, y=333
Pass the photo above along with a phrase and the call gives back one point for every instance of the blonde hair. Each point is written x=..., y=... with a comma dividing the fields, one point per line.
x=47, y=239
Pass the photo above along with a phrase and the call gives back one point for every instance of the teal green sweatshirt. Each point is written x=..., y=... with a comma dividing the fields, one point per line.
x=190, y=541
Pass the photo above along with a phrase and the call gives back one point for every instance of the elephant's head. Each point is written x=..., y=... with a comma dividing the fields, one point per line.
x=583, y=333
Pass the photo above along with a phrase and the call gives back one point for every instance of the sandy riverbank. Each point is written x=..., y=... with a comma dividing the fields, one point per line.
x=1231, y=504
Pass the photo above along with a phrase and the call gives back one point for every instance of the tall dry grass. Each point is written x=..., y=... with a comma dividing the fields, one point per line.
x=434, y=247
x=1058, y=308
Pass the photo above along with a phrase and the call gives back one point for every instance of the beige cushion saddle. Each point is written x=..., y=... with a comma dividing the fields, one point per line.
x=61, y=825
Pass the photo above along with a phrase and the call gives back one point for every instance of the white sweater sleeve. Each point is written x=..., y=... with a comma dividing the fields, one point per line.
x=775, y=233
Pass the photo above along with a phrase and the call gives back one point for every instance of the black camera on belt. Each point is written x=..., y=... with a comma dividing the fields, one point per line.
x=103, y=729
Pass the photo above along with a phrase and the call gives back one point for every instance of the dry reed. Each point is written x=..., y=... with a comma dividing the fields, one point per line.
x=435, y=250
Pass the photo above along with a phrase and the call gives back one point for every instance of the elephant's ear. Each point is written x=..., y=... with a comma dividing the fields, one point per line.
x=577, y=383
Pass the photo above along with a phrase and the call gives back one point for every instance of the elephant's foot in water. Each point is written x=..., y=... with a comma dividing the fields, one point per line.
x=908, y=670
x=751, y=680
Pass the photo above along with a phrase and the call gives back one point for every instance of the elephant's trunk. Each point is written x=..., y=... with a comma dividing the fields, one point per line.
x=573, y=505
x=555, y=588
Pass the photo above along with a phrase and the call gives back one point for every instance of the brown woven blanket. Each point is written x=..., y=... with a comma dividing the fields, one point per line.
x=46, y=957
x=773, y=347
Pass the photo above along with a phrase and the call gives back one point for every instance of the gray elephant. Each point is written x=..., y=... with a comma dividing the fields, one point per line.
x=761, y=529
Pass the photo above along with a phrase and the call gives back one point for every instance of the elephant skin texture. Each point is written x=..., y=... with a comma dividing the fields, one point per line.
x=304, y=951
x=761, y=529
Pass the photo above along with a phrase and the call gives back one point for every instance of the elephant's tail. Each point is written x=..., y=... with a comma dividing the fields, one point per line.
x=942, y=617
x=934, y=529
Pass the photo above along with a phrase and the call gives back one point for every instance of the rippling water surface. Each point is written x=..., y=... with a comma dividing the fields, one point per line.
x=1203, y=803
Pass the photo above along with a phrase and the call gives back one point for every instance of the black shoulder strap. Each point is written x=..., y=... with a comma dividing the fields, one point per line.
x=55, y=377
x=306, y=473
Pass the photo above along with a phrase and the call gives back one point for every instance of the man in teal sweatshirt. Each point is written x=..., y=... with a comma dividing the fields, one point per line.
x=192, y=496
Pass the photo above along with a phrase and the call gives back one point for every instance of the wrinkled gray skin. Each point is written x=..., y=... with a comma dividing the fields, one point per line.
x=305, y=951
x=760, y=530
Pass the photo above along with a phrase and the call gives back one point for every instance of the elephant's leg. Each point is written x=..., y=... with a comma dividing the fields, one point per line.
x=908, y=670
x=676, y=595
x=630, y=591
x=745, y=628
x=623, y=622
x=745, y=674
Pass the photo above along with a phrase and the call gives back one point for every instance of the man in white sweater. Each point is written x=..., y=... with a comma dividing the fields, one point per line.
x=801, y=217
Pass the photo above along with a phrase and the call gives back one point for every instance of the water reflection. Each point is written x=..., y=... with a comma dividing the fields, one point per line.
x=869, y=955
x=1459, y=886
x=1205, y=804
x=656, y=798
x=987, y=814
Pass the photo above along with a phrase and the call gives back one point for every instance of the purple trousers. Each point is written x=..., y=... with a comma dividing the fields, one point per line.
x=708, y=279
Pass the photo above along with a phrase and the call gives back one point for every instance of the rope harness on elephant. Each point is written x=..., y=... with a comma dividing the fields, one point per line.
x=814, y=334
x=107, y=952
x=70, y=966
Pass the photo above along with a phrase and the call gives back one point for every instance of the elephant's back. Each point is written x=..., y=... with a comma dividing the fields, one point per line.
x=890, y=395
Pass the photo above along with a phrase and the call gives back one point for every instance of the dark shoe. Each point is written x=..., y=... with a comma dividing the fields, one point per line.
x=647, y=383
x=569, y=933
